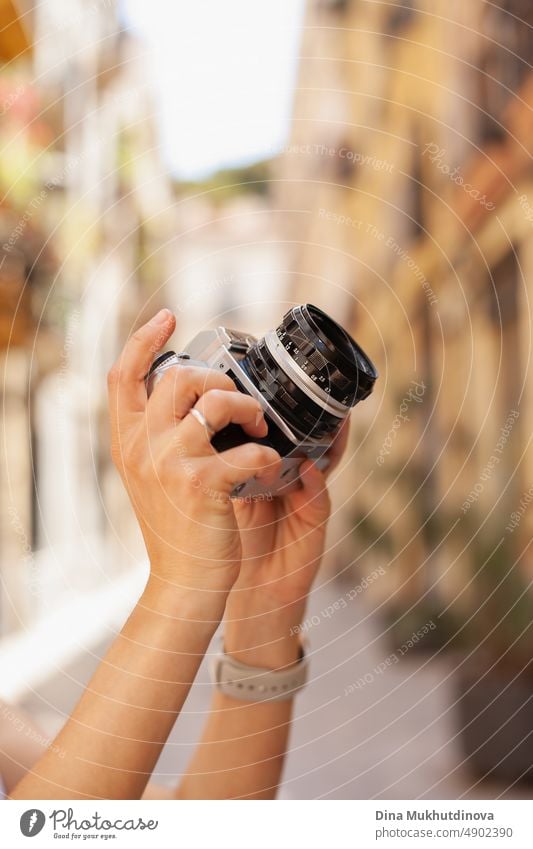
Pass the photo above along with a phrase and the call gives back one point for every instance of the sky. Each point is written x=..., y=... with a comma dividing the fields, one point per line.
x=225, y=72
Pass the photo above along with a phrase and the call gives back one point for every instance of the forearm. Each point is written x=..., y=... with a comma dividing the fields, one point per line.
x=22, y=743
x=243, y=747
x=111, y=743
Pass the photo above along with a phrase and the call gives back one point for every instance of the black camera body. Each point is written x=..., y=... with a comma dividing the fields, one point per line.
x=307, y=375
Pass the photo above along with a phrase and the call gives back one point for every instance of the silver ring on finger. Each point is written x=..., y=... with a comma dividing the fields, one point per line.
x=203, y=421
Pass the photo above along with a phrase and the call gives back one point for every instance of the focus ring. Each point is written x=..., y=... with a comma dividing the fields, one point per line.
x=297, y=407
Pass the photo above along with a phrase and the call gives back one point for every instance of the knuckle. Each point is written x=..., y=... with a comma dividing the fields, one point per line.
x=274, y=461
x=217, y=395
x=253, y=407
x=167, y=380
x=224, y=381
x=214, y=399
x=185, y=374
x=255, y=454
x=230, y=383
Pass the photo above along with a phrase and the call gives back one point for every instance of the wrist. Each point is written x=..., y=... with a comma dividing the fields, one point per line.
x=192, y=575
x=175, y=600
x=262, y=635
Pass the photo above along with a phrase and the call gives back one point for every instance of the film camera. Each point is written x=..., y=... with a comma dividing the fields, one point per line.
x=307, y=374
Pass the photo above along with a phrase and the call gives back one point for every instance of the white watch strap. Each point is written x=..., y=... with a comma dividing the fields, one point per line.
x=257, y=684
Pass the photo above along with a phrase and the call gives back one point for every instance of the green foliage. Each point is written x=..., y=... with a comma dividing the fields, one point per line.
x=501, y=609
x=251, y=179
x=495, y=612
x=372, y=535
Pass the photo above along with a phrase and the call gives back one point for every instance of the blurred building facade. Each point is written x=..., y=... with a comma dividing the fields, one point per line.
x=95, y=237
x=87, y=222
x=408, y=180
x=229, y=264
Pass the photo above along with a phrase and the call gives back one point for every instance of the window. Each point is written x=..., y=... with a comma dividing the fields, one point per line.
x=506, y=59
x=503, y=304
x=400, y=17
x=338, y=6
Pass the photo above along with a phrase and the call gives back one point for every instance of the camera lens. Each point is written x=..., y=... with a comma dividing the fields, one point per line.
x=311, y=370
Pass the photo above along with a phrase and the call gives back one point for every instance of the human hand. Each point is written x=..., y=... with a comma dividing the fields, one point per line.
x=282, y=546
x=177, y=483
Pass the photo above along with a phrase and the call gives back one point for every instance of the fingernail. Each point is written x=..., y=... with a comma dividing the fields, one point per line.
x=161, y=317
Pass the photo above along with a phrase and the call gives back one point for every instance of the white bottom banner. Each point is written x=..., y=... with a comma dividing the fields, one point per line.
x=234, y=824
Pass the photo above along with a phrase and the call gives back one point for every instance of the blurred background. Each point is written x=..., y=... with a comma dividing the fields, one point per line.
x=373, y=158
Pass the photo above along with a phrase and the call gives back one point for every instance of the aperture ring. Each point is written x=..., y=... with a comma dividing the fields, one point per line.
x=301, y=379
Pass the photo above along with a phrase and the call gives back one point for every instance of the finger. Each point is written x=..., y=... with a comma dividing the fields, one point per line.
x=221, y=408
x=338, y=446
x=178, y=390
x=127, y=392
x=313, y=492
x=228, y=469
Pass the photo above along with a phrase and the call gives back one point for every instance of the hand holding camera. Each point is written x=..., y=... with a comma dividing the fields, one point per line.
x=282, y=546
x=232, y=417
x=178, y=484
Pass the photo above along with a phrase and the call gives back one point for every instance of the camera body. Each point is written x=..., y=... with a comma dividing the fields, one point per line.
x=292, y=385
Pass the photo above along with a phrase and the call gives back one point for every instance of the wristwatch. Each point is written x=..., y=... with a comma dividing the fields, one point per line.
x=257, y=684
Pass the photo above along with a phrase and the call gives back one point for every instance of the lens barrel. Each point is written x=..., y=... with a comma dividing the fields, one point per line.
x=310, y=370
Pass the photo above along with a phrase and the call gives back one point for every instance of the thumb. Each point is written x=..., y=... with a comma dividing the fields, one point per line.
x=127, y=393
x=145, y=343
